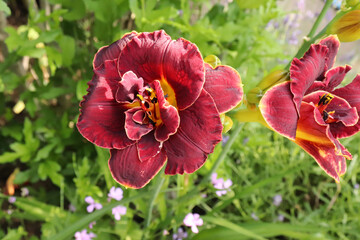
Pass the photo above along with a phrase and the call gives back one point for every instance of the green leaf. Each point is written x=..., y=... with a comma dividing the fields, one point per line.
x=49, y=168
x=44, y=152
x=22, y=150
x=5, y=8
x=9, y=157
x=27, y=131
x=240, y=230
x=67, y=45
x=15, y=234
x=48, y=36
x=81, y=87
x=22, y=176
x=32, y=52
x=53, y=92
x=39, y=210
x=250, y=4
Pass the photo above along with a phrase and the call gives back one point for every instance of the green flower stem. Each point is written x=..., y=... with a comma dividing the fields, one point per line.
x=310, y=39
x=195, y=191
x=224, y=152
x=306, y=44
x=159, y=183
x=320, y=18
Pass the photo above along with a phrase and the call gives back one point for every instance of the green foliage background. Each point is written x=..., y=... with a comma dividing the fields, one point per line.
x=45, y=64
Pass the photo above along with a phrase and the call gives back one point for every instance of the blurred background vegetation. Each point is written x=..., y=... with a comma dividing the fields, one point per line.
x=46, y=53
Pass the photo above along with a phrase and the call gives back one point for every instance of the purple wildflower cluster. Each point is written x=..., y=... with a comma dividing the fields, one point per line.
x=84, y=235
x=193, y=220
x=290, y=24
x=277, y=199
x=222, y=185
x=118, y=211
x=92, y=204
x=180, y=235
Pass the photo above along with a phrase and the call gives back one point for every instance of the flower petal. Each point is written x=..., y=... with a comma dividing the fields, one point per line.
x=129, y=86
x=135, y=130
x=154, y=56
x=223, y=83
x=304, y=71
x=351, y=93
x=168, y=114
x=112, y=51
x=183, y=69
x=333, y=44
x=318, y=141
x=333, y=78
x=139, y=117
x=148, y=147
x=129, y=171
x=102, y=119
x=343, y=111
x=144, y=55
x=200, y=130
x=278, y=110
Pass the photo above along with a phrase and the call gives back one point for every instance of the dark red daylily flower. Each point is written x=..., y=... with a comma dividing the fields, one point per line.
x=153, y=100
x=311, y=112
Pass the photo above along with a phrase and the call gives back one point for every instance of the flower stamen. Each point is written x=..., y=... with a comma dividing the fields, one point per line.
x=323, y=103
x=149, y=104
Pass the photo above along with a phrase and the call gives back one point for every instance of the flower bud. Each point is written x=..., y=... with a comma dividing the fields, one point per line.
x=226, y=122
x=275, y=77
x=212, y=60
x=347, y=27
x=351, y=3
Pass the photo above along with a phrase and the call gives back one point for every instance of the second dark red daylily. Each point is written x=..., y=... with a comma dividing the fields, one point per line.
x=311, y=112
x=153, y=101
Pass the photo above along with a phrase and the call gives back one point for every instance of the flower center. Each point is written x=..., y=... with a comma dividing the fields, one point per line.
x=323, y=104
x=150, y=105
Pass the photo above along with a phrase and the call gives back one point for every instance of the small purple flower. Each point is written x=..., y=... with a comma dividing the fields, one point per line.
x=116, y=193
x=277, y=199
x=280, y=218
x=25, y=192
x=91, y=225
x=356, y=186
x=220, y=184
x=92, y=204
x=310, y=14
x=12, y=199
x=10, y=211
x=225, y=139
x=193, y=220
x=72, y=208
x=165, y=232
x=83, y=235
x=224, y=186
x=253, y=215
x=180, y=234
x=301, y=5
x=118, y=212
x=214, y=178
